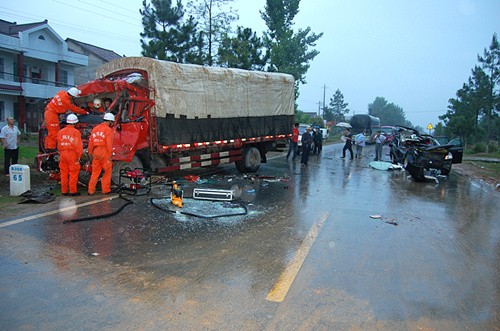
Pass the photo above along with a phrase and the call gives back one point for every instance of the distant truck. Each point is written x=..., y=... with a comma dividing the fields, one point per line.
x=367, y=124
x=172, y=116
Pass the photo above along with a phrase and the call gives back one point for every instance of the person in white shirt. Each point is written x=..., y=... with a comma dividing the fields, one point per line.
x=379, y=142
x=11, y=137
x=360, y=143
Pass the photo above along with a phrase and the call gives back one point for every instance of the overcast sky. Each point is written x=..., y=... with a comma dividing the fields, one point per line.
x=414, y=53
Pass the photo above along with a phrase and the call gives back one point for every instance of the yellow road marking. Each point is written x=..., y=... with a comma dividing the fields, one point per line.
x=281, y=287
x=57, y=211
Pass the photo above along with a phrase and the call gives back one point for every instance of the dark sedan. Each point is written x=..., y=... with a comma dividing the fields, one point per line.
x=420, y=153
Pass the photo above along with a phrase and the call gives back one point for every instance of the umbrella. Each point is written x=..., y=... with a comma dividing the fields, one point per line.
x=344, y=125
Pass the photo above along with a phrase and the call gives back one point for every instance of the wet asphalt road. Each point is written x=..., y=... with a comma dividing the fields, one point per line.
x=307, y=256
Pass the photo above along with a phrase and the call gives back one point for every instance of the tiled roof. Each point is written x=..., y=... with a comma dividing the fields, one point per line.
x=104, y=54
x=12, y=28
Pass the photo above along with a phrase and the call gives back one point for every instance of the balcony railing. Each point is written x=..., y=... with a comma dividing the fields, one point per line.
x=6, y=77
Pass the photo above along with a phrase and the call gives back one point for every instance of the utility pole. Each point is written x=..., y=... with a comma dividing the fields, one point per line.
x=324, y=99
x=319, y=108
x=324, y=94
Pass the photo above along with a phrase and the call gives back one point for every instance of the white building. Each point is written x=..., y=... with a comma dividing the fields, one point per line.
x=35, y=64
x=97, y=57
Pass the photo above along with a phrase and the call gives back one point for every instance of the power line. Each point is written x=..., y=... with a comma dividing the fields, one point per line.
x=114, y=8
x=22, y=14
x=99, y=14
x=74, y=27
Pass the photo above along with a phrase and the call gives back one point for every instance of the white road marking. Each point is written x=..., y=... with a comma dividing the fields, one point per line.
x=57, y=211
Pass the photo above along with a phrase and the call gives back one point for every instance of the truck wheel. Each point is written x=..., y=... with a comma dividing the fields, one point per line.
x=84, y=177
x=251, y=160
x=117, y=166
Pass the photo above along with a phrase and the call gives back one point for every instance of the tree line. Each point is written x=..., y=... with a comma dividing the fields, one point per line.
x=473, y=114
x=203, y=34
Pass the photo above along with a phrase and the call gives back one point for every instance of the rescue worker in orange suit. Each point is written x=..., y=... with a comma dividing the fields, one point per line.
x=101, y=149
x=69, y=144
x=96, y=107
x=60, y=103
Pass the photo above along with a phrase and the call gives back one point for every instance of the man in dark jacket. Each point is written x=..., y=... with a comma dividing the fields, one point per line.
x=306, y=146
x=318, y=142
x=348, y=143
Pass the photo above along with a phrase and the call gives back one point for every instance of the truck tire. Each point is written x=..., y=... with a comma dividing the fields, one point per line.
x=84, y=177
x=117, y=166
x=251, y=160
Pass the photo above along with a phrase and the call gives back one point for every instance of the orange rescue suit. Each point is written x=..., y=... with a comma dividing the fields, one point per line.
x=69, y=144
x=92, y=109
x=101, y=150
x=59, y=104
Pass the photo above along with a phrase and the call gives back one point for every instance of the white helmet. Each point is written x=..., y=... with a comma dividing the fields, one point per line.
x=97, y=103
x=71, y=119
x=109, y=117
x=74, y=92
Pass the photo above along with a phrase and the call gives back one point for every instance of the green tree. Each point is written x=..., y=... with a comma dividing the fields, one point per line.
x=461, y=117
x=165, y=36
x=389, y=113
x=337, y=108
x=317, y=120
x=467, y=113
x=439, y=130
x=490, y=62
x=244, y=51
x=214, y=22
x=289, y=51
x=473, y=114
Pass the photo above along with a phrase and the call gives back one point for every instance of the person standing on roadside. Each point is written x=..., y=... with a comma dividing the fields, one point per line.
x=306, y=146
x=348, y=143
x=101, y=149
x=360, y=143
x=11, y=138
x=318, y=142
x=379, y=142
x=293, y=142
x=70, y=147
x=59, y=104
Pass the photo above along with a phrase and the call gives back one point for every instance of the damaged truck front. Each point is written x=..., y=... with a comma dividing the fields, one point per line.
x=173, y=116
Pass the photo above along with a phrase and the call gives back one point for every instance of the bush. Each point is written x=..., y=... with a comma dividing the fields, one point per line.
x=479, y=148
x=493, y=147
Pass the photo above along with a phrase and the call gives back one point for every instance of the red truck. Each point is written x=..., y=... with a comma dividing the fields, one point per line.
x=172, y=116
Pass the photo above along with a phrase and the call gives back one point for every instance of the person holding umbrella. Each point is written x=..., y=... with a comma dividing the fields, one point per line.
x=348, y=143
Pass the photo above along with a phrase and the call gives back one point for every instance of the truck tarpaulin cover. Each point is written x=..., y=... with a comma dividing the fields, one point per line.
x=197, y=103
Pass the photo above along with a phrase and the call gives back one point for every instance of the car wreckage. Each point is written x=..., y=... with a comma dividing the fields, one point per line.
x=422, y=154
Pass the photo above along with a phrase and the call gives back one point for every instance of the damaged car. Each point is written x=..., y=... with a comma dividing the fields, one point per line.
x=421, y=154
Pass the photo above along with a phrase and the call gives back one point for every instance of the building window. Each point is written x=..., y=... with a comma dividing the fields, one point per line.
x=2, y=111
x=63, y=79
x=2, y=76
x=41, y=37
x=36, y=74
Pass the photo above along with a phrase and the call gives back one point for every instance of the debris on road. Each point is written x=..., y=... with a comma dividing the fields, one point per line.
x=202, y=208
x=382, y=165
x=32, y=197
